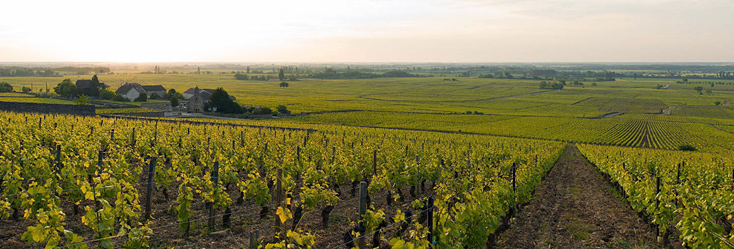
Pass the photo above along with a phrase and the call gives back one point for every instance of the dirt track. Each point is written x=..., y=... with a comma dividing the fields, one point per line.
x=576, y=207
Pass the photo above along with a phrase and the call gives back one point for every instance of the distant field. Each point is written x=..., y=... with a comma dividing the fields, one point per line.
x=36, y=100
x=505, y=107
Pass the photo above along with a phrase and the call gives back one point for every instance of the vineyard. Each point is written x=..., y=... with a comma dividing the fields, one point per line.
x=689, y=193
x=647, y=131
x=79, y=182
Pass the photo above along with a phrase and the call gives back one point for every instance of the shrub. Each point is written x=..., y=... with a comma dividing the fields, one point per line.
x=282, y=109
x=119, y=98
x=5, y=87
x=142, y=98
x=82, y=100
x=107, y=94
x=687, y=147
x=263, y=110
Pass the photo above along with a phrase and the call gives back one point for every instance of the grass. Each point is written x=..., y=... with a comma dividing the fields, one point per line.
x=577, y=229
x=15, y=94
x=133, y=102
x=37, y=100
x=122, y=110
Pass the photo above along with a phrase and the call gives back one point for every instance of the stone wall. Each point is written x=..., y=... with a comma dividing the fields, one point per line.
x=47, y=108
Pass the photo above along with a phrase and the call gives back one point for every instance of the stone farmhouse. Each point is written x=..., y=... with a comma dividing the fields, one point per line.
x=196, y=97
x=86, y=85
x=132, y=91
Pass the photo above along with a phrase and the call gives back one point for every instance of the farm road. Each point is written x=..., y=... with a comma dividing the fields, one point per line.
x=576, y=207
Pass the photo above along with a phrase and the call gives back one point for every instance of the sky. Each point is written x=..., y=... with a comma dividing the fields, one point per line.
x=325, y=31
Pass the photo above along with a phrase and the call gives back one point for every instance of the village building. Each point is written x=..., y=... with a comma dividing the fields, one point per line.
x=204, y=93
x=86, y=85
x=157, y=89
x=196, y=97
x=132, y=91
x=196, y=101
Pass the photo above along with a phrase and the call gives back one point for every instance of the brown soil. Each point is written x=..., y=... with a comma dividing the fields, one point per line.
x=576, y=207
x=245, y=219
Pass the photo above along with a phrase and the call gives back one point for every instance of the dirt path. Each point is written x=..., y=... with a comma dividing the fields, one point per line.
x=575, y=207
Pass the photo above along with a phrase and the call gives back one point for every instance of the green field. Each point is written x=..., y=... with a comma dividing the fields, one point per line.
x=649, y=117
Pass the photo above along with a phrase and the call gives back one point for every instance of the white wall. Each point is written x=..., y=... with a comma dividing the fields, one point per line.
x=132, y=94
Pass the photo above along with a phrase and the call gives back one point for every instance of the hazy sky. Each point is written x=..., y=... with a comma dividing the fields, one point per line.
x=368, y=30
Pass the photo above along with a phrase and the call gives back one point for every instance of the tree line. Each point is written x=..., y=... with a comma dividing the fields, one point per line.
x=49, y=72
x=330, y=73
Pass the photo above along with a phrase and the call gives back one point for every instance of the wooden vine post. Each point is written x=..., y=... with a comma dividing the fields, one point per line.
x=657, y=204
x=253, y=239
x=132, y=140
x=430, y=221
x=151, y=185
x=279, y=200
x=362, y=210
x=514, y=192
x=215, y=183
x=374, y=163
x=57, y=161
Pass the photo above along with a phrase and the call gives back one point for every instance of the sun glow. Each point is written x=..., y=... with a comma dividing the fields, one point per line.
x=364, y=30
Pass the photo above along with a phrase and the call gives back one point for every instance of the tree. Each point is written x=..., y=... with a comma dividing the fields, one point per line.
x=543, y=85
x=155, y=96
x=94, y=87
x=174, y=102
x=557, y=86
x=172, y=93
x=67, y=89
x=284, y=84
x=698, y=89
x=220, y=99
x=282, y=109
x=281, y=74
x=26, y=89
x=5, y=87
x=142, y=98
x=717, y=102
x=241, y=76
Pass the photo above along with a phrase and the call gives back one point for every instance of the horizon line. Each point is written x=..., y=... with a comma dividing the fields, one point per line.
x=368, y=62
